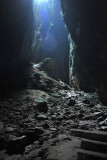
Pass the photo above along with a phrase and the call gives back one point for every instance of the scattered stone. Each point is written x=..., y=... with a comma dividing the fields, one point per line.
x=28, y=148
x=53, y=116
x=88, y=117
x=56, y=95
x=60, y=118
x=72, y=116
x=42, y=117
x=46, y=126
x=97, y=113
x=104, y=123
x=3, y=142
x=53, y=129
x=37, y=130
x=71, y=102
x=50, y=116
x=1, y=126
x=100, y=119
x=42, y=107
x=103, y=128
x=83, y=123
x=73, y=125
x=10, y=129
x=80, y=115
x=31, y=136
x=41, y=142
x=16, y=145
x=86, y=101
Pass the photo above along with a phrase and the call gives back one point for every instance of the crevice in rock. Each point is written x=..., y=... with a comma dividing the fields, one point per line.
x=51, y=36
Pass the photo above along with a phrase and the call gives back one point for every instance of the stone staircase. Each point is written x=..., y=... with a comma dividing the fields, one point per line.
x=93, y=144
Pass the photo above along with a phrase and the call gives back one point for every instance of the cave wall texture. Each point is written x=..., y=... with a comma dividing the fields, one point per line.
x=16, y=35
x=87, y=23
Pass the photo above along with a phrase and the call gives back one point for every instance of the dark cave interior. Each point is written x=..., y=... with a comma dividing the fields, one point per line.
x=53, y=79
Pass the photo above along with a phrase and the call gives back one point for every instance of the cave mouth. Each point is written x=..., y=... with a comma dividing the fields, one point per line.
x=51, y=36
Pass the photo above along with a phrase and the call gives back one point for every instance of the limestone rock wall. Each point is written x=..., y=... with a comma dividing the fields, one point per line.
x=87, y=23
x=16, y=35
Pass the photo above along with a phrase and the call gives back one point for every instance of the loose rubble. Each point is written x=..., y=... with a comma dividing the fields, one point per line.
x=31, y=117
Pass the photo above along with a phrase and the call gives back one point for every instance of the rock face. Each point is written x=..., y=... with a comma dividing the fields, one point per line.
x=87, y=24
x=50, y=67
x=16, y=34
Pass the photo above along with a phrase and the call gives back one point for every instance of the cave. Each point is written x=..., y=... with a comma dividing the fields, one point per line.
x=53, y=80
x=52, y=36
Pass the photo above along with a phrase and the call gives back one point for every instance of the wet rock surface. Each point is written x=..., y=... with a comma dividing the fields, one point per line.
x=88, y=62
x=31, y=117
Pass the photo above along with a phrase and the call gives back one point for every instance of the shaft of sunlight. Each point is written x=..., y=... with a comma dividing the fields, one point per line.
x=41, y=1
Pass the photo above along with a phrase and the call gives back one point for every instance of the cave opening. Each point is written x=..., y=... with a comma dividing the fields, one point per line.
x=51, y=36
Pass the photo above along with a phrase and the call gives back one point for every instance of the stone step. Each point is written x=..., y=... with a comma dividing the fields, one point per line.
x=90, y=155
x=94, y=146
x=93, y=135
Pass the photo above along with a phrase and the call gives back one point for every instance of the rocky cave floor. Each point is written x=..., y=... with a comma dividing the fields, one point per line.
x=31, y=117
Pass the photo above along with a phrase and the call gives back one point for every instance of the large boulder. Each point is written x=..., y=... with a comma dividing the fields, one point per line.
x=50, y=67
